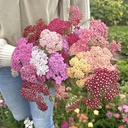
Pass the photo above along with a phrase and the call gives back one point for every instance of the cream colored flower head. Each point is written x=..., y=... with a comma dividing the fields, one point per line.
x=90, y=125
x=96, y=112
x=77, y=110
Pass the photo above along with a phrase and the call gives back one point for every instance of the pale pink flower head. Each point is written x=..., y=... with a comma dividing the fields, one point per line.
x=51, y=41
x=126, y=120
x=75, y=15
x=99, y=57
x=121, y=126
x=125, y=107
x=122, y=96
x=120, y=108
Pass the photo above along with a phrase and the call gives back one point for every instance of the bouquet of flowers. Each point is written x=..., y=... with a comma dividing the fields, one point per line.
x=77, y=61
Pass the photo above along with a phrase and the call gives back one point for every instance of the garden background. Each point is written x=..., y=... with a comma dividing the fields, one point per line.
x=114, y=13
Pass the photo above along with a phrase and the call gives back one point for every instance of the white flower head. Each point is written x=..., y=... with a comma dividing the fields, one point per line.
x=28, y=123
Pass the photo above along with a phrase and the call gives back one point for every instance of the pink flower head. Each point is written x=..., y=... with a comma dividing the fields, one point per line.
x=99, y=28
x=28, y=73
x=51, y=41
x=75, y=15
x=116, y=115
x=114, y=47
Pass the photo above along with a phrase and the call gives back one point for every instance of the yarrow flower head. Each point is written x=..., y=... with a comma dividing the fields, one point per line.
x=104, y=84
x=59, y=26
x=99, y=57
x=79, y=67
x=21, y=55
x=99, y=28
x=75, y=15
x=51, y=41
x=28, y=73
x=61, y=92
x=114, y=47
x=57, y=68
x=40, y=60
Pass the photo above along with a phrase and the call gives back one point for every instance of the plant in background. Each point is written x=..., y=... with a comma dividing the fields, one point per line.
x=110, y=12
x=120, y=34
x=123, y=67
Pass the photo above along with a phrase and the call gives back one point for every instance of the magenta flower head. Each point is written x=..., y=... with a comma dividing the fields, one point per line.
x=65, y=124
x=22, y=54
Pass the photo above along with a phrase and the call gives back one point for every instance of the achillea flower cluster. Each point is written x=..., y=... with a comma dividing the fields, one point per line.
x=32, y=33
x=79, y=69
x=21, y=55
x=39, y=60
x=28, y=73
x=50, y=41
x=100, y=34
x=81, y=45
x=33, y=93
x=65, y=124
x=114, y=47
x=71, y=39
x=57, y=68
x=99, y=57
x=99, y=28
x=103, y=85
x=61, y=92
x=82, y=117
x=59, y=26
x=75, y=16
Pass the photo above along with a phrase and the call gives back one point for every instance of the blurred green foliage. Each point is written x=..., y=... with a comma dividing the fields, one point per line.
x=111, y=12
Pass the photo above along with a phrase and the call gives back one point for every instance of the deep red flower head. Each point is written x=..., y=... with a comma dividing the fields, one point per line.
x=59, y=26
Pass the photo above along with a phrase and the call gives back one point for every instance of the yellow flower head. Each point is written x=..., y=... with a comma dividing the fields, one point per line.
x=96, y=112
x=74, y=61
x=70, y=72
x=78, y=74
x=90, y=125
x=121, y=13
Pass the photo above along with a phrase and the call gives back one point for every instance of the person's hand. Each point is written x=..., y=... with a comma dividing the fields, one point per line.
x=6, y=52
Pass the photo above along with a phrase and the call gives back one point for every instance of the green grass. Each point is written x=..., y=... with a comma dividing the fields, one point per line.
x=115, y=29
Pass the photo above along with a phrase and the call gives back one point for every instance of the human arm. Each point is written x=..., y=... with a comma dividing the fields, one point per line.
x=6, y=51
